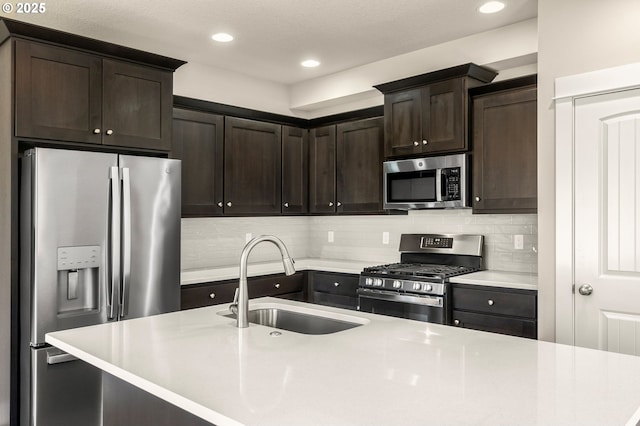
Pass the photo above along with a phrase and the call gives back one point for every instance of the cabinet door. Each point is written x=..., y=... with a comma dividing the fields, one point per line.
x=252, y=167
x=198, y=142
x=322, y=170
x=359, y=147
x=137, y=106
x=505, y=152
x=402, y=121
x=295, y=177
x=444, y=117
x=58, y=93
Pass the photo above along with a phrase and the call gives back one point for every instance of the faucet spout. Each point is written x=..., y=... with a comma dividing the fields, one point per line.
x=240, y=303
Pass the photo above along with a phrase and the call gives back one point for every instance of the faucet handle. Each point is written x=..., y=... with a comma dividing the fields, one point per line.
x=234, y=305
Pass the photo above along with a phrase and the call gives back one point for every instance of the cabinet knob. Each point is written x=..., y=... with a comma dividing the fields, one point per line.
x=212, y=296
x=277, y=285
x=456, y=322
x=336, y=284
x=286, y=205
x=490, y=302
x=229, y=204
x=339, y=203
x=416, y=143
x=220, y=204
x=96, y=131
x=109, y=132
x=424, y=141
x=478, y=198
x=330, y=203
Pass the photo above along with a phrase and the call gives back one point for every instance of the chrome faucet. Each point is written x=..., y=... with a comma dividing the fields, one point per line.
x=240, y=305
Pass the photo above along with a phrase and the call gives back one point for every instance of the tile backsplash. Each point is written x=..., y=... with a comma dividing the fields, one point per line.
x=216, y=242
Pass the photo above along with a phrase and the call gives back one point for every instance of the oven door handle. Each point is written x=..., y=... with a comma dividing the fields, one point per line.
x=402, y=298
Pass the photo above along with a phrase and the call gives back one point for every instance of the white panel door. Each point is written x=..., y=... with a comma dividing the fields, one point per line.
x=607, y=221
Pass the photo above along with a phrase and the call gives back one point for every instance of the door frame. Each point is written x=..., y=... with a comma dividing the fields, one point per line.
x=567, y=91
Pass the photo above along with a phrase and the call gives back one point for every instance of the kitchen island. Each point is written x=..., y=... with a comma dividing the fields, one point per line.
x=387, y=371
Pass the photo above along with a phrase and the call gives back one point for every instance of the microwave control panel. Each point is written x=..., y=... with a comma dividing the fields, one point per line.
x=451, y=184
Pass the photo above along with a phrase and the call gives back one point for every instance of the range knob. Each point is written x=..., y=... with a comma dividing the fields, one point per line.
x=397, y=284
x=377, y=282
x=368, y=281
x=428, y=287
x=417, y=286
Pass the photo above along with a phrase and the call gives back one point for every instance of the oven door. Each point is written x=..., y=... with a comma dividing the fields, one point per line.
x=409, y=306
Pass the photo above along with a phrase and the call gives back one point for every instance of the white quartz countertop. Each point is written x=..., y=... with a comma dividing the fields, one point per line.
x=265, y=268
x=519, y=280
x=389, y=371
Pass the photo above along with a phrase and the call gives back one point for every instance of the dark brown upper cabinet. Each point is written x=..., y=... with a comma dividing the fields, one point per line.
x=252, y=167
x=359, y=157
x=428, y=113
x=68, y=95
x=198, y=140
x=345, y=168
x=295, y=177
x=322, y=170
x=505, y=147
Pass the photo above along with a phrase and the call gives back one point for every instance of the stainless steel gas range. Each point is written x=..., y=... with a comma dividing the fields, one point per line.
x=418, y=286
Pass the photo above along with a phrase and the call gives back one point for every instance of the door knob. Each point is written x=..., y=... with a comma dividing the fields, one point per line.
x=585, y=290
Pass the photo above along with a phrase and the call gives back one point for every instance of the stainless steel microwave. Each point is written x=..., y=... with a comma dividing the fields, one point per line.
x=426, y=183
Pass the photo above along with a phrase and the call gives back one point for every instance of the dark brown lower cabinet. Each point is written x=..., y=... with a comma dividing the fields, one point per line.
x=214, y=293
x=334, y=289
x=495, y=309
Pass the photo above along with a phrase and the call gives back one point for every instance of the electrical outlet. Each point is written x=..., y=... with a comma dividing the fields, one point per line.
x=330, y=236
x=518, y=242
x=385, y=237
x=247, y=237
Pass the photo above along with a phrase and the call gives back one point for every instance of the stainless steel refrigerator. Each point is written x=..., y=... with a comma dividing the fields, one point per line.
x=100, y=242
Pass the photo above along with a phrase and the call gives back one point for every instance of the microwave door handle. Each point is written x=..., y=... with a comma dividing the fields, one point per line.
x=439, y=184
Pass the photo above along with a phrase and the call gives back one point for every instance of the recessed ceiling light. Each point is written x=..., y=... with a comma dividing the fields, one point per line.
x=222, y=37
x=310, y=63
x=491, y=7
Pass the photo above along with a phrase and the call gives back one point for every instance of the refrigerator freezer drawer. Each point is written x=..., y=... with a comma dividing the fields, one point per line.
x=64, y=390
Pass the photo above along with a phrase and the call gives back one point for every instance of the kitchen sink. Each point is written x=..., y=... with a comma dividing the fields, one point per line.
x=298, y=322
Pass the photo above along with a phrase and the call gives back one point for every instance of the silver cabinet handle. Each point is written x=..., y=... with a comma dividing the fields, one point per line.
x=336, y=284
x=229, y=204
x=277, y=285
x=330, y=203
x=220, y=204
x=109, y=132
x=490, y=302
x=286, y=205
x=478, y=198
x=585, y=290
x=96, y=131
x=456, y=322
x=424, y=141
x=416, y=143
x=212, y=296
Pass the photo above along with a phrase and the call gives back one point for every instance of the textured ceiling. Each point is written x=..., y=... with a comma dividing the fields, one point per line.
x=273, y=36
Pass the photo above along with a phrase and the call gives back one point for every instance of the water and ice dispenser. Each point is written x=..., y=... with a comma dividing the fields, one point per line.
x=78, y=279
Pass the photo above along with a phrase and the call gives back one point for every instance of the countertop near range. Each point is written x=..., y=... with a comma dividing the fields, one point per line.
x=518, y=280
x=265, y=268
x=389, y=371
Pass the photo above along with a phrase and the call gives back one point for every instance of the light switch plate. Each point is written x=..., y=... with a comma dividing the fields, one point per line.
x=518, y=242
x=385, y=237
x=330, y=236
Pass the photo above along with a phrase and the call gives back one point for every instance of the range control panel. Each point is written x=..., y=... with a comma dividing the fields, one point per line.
x=436, y=242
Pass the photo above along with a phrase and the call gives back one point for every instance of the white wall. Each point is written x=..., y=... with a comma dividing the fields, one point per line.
x=215, y=242
x=575, y=36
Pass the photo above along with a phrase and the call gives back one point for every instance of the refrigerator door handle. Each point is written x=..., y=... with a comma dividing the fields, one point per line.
x=126, y=241
x=114, y=241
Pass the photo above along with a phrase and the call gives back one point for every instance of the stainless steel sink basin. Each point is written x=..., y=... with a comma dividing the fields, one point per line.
x=297, y=321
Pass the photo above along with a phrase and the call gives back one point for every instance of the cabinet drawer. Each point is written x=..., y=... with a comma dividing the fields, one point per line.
x=198, y=295
x=275, y=284
x=335, y=300
x=334, y=283
x=496, y=324
x=499, y=302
